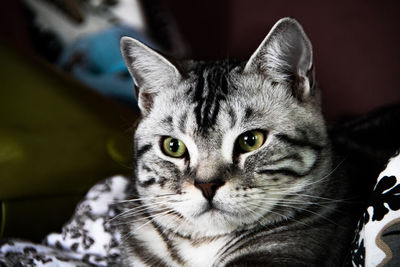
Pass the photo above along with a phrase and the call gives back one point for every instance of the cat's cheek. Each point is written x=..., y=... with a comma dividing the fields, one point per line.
x=149, y=192
x=193, y=200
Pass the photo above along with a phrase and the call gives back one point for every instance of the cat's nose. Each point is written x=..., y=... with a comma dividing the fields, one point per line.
x=209, y=188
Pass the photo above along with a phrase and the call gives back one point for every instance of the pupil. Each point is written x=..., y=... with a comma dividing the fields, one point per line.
x=174, y=145
x=250, y=139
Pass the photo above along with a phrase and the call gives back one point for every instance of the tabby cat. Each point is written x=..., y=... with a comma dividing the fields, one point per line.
x=233, y=165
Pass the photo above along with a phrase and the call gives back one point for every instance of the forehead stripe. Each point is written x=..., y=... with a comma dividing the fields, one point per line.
x=213, y=83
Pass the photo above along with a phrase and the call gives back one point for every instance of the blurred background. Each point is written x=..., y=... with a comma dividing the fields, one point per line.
x=67, y=102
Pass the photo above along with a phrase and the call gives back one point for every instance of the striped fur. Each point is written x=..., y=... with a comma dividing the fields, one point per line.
x=279, y=205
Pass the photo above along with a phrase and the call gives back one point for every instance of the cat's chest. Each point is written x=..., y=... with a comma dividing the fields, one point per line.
x=201, y=252
x=180, y=251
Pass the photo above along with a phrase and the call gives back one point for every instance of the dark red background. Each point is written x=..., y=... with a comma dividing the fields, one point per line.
x=356, y=43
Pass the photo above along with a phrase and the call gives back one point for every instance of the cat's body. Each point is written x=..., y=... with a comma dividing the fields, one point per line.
x=233, y=162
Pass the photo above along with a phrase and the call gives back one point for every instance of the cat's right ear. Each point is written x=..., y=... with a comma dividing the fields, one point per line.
x=285, y=56
x=150, y=71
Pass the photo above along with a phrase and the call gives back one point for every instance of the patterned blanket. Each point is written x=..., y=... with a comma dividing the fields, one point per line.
x=91, y=237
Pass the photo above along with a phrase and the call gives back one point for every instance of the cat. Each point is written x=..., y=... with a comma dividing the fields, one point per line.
x=233, y=164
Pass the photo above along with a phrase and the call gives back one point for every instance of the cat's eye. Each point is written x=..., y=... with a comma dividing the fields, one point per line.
x=251, y=140
x=173, y=147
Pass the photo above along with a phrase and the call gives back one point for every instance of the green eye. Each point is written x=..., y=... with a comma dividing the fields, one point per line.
x=173, y=147
x=250, y=141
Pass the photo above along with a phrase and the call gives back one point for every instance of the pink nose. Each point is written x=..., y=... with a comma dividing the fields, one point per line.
x=209, y=188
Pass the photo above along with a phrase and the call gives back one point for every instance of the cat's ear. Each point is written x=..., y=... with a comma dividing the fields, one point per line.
x=285, y=56
x=150, y=71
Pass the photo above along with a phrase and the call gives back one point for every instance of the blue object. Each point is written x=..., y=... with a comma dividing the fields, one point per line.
x=96, y=61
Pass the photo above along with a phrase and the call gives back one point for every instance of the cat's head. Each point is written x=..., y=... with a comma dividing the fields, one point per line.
x=224, y=145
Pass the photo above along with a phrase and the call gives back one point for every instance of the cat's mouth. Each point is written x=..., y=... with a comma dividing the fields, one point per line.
x=213, y=209
x=209, y=208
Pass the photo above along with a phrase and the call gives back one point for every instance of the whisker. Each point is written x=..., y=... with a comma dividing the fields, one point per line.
x=308, y=196
x=148, y=216
x=309, y=211
x=141, y=209
x=144, y=198
x=327, y=175
x=302, y=203
x=154, y=217
x=256, y=215
x=181, y=223
x=258, y=205
x=133, y=212
x=279, y=203
x=307, y=184
x=150, y=207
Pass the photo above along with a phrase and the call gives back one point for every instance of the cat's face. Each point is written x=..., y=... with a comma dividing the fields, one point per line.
x=222, y=146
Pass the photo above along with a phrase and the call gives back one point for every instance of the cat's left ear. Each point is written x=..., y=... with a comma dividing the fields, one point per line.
x=285, y=56
x=151, y=71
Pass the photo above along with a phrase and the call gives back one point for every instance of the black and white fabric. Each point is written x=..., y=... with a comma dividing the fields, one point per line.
x=377, y=241
x=91, y=238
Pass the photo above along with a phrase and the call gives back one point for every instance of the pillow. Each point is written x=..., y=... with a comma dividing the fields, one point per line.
x=377, y=240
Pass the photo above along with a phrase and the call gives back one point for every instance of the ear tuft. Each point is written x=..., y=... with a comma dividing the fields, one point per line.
x=150, y=71
x=285, y=56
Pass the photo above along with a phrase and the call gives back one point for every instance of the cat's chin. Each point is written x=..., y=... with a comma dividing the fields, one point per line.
x=215, y=220
x=212, y=222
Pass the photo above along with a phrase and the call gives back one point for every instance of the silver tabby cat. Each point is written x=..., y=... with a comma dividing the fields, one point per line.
x=233, y=163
